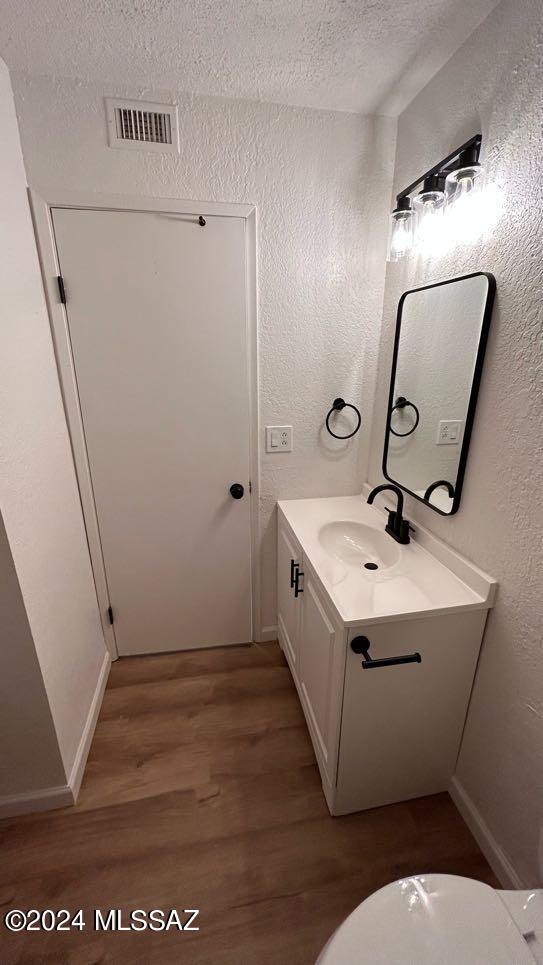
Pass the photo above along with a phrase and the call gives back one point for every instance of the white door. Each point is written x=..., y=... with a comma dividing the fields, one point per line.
x=156, y=310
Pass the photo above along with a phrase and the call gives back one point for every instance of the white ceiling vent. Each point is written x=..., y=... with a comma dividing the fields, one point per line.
x=143, y=126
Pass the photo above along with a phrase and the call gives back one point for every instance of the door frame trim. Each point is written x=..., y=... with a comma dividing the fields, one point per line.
x=41, y=204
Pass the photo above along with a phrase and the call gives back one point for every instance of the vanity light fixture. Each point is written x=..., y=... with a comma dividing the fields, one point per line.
x=444, y=210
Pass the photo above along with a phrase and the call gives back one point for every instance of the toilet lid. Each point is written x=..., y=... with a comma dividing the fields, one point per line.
x=429, y=920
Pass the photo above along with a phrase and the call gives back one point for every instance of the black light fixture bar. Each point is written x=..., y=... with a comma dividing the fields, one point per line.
x=474, y=144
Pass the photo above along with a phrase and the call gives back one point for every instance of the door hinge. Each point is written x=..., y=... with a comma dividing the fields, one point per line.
x=61, y=289
x=110, y=614
x=250, y=486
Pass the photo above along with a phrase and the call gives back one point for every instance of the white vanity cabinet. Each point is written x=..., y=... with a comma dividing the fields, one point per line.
x=320, y=672
x=380, y=734
x=313, y=645
x=289, y=558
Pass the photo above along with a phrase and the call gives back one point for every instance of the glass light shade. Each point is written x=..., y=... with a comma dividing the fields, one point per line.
x=428, y=201
x=466, y=204
x=401, y=234
x=429, y=207
x=463, y=181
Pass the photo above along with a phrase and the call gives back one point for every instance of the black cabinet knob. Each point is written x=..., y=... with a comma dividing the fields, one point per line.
x=236, y=491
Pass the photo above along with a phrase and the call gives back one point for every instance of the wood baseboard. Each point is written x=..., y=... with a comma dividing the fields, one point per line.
x=45, y=799
x=266, y=634
x=494, y=854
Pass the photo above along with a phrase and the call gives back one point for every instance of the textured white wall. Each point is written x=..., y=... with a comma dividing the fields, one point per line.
x=27, y=723
x=38, y=490
x=493, y=84
x=321, y=182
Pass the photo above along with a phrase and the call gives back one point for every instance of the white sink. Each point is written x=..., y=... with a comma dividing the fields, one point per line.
x=340, y=535
x=356, y=544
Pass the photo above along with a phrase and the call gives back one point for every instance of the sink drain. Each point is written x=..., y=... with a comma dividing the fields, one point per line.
x=371, y=566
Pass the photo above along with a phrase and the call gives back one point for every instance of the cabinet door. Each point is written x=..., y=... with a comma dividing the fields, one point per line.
x=317, y=671
x=402, y=724
x=288, y=605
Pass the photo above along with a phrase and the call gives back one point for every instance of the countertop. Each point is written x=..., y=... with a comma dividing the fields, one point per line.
x=429, y=577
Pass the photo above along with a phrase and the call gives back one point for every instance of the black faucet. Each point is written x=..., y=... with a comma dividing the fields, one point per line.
x=397, y=526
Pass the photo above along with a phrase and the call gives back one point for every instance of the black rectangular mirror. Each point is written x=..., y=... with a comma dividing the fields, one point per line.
x=441, y=333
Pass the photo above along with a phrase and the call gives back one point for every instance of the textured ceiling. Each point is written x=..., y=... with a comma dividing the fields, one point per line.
x=354, y=55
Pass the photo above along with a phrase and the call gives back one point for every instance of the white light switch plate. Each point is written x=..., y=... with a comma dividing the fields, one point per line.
x=278, y=438
x=449, y=432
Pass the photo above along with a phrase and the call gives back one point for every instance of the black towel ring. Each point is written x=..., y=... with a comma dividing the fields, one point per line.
x=337, y=406
x=401, y=403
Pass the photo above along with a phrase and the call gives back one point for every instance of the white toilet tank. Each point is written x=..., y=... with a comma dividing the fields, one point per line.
x=445, y=919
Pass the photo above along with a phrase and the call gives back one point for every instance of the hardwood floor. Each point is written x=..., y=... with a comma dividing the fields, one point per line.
x=202, y=791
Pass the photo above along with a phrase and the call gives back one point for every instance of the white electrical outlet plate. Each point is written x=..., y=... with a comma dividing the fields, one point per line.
x=449, y=432
x=278, y=438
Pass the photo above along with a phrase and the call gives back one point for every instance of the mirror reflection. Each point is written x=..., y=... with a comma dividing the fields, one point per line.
x=440, y=336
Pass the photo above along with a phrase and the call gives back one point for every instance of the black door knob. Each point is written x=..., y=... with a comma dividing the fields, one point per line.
x=236, y=491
